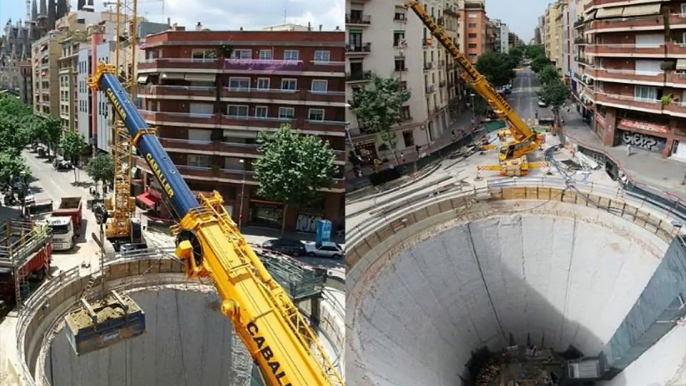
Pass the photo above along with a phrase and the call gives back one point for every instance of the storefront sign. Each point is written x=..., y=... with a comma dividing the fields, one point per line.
x=367, y=151
x=647, y=142
x=631, y=124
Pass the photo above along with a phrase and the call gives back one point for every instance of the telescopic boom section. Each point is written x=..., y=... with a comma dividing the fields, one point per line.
x=265, y=318
x=520, y=131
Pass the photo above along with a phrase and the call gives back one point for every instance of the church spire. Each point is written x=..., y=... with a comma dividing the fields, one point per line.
x=51, y=15
x=43, y=9
x=34, y=11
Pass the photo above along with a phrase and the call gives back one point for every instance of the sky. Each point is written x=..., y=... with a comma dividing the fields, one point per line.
x=221, y=14
x=521, y=16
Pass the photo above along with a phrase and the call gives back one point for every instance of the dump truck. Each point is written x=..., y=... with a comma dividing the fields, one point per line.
x=25, y=255
x=71, y=207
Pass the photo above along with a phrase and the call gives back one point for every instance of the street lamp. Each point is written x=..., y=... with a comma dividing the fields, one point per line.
x=23, y=193
x=240, y=210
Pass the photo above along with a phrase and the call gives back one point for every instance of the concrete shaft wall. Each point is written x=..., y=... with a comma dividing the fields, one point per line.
x=187, y=342
x=561, y=280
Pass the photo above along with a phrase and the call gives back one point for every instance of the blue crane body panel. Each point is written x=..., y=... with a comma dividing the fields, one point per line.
x=171, y=181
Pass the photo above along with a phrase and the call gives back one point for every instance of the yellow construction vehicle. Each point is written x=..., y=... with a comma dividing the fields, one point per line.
x=208, y=241
x=512, y=156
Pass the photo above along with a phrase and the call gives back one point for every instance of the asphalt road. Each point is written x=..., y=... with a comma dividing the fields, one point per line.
x=524, y=98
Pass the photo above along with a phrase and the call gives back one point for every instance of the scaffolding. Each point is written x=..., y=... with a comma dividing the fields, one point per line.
x=21, y=241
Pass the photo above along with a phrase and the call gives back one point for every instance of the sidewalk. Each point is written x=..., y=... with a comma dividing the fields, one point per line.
x=642, y=167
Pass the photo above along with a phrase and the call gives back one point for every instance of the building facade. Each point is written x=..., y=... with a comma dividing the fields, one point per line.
x=475, y=30
x=636, y=69
x=209, y=104
x=68, y=72
x=46, y=52
x=388, y=40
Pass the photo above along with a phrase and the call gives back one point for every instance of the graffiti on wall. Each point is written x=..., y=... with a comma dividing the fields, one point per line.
x=307, y=223
x=643, y=141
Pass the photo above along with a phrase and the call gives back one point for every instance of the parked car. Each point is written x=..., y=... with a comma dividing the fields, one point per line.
x=542, y=102
x=286, y=246
x=325, y=249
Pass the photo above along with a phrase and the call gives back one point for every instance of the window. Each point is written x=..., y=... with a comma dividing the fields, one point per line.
x=203, y=54
x=645, y=93
x=316, y=115
x=286, y=112
x=322, y=56
x=472, y=58
x=242, y=54
x=261, y=112
x=472, y=45
x=398, y=36
x=290, y=55
x=472, y=25
x=265, y=54
x=237, y=111
x=471, y=36
x=405, y=112
x=472, y=16
x=408, y=137
x=289, y=84
x=319, y=85
x=263, y=83
x=683, y=9
x=400, y=64
x=239, y=84
x=200, y=161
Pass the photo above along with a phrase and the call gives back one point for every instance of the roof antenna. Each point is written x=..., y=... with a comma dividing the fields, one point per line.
x=285, y=12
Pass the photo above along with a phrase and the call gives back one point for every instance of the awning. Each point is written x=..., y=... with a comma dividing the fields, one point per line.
x=171, y=75
x=681, y=64
x=200, y=77
x=142, y=78
x=605, y=13
x=147, y=199
x=641, y=10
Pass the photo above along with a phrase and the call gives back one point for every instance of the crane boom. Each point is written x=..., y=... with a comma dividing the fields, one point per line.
x=264, y=317
x=520, y=130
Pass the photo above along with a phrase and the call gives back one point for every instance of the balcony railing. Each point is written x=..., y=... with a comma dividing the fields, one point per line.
x=362, y=19
x=180, y=91
x=440, y=21
x=400, y=17
x=355, y=48
x=441, y=63
x=279, y=94
x=431, y=88
x=629, y=76
x=358, y=76
x=676, y=78
x=630, y=101
x=428, y=66
x=642, y=22
x=626, y=50
x=676, y=109
x=229, y=65
x=442, y=83
x=427, y=43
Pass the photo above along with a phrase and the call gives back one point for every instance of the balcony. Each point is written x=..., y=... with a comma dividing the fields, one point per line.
x=676, y=79
x=204, y=120
x=441, y=63
x=272, y=66
x=428, y=66
x=597, y=3
x=442, y=83
x=677, y=109
x=426, y=43
x=440, y=21
x=358, y=76
x=358, y=20
x=642, y=23
x=452, y=11
x=626, y=50
x=430, y=89
x=676, y=50
x=181, y=92
x=362, y=49
x=629, y=102
x=630, y=76
x=281, y=95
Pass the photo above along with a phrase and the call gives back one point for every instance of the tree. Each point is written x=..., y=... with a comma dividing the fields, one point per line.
x=535, y=51
x=11, y=167
x=556, y=94
x=549, y=74
x=293, y=168
x=497, y=67
x=101, y=168
x=539, y=63
x=378, y=107
x=48, y=130
x=72, y=145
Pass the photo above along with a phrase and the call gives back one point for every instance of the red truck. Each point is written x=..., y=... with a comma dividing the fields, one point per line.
x=71, y=207
x=25, y=255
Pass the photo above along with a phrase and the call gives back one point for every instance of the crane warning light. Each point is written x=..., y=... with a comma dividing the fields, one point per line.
x=103, y=323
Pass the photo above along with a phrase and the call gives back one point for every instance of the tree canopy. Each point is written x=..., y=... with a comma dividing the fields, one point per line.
x=293, y=167
x=72, y=145
x=101, y=168
x=549, y=74
x=497, y=67
x=378, y=107
x=15, y=134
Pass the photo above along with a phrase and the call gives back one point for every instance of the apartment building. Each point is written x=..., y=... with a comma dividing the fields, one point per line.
x=46, y=52
x=502, y=36
x=388, y=40
x=453, y=26
x=636, y=70
x=210, y=93
x=475, y=29
x=68, y=72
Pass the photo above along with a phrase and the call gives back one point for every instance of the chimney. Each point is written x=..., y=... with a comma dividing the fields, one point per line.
x=320, y=28
x=198, y=27
x=309, y=26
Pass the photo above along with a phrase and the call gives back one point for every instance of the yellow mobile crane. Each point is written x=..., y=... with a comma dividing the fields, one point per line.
x=512, y=155
x=210, y=244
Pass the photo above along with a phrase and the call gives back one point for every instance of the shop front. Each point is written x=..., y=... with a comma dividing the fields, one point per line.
x=266, y=214
x=643, y=135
